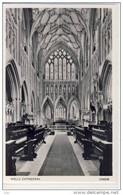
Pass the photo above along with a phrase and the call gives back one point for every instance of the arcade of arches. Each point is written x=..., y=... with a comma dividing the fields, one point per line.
x=58, y=66
x=69, y=73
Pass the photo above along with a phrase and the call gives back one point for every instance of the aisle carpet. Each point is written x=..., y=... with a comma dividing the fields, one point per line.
x=61, y=159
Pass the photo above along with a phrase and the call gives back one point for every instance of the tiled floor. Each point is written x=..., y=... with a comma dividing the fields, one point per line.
x=32, y=168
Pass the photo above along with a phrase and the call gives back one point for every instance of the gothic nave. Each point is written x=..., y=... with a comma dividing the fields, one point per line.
x=58, y=73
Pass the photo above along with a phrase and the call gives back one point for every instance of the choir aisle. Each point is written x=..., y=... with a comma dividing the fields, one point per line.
x=61, y=159
x=59, y=156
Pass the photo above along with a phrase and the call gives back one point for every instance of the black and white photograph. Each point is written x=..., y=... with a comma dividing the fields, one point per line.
x=60, y=92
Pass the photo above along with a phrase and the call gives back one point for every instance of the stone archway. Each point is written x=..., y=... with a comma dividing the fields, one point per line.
x=73, y=110
x=60, y=110
x=106, y=87
x=47, y=111
x=12, y=93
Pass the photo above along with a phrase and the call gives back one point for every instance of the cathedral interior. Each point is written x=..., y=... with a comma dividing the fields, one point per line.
x=58, y=74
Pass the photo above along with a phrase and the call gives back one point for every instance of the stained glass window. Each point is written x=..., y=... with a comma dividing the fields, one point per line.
x=60, y=112
x=60, y=66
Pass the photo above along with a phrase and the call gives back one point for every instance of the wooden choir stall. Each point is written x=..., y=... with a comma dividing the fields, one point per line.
x=97, y=143
x=22, y=141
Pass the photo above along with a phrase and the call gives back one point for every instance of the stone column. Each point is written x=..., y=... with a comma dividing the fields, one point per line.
x=28, y=108
x=18, y=109
x=14, y=110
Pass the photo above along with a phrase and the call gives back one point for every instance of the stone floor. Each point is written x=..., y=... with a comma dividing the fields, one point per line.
x=61, y=159
x=32, y=168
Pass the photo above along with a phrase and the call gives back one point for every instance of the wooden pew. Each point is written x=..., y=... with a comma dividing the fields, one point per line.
x=102, y=146
x=10, y=161
x=22, y=140
x=70, y=129
x=83, y=137
x=35, y=136
x=79, y=134
x=50, y=129
x=97, y=144
x=103, y=132
x=17, y=132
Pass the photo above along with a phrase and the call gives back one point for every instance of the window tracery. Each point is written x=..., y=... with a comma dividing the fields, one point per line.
x=60, y=112
x=60, y=66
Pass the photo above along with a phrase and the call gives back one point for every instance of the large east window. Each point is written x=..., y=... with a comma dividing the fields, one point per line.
x=60, y=66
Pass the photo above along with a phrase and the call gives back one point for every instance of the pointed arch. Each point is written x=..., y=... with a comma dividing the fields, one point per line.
x=56, y=46
x=48, y=101
x=24, y=99
x=12, y=92
x=60, y=64
x=105, y=71
x=106, y=80
x=74, y=111
x=60, y=109
x=71, y=100
x=60, y=99
x=106, y=88
x=12, y=71
x=45, y=99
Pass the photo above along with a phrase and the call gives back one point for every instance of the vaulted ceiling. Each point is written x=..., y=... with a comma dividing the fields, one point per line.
x=59, y=25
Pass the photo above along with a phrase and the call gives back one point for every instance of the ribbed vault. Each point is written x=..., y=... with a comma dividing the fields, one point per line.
x=59, y=25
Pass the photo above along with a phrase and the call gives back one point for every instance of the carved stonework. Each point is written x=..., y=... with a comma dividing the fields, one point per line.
x=35, y=12
x=9, y=108
x=100, y=101
x=23, y=108
x=96, y=78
